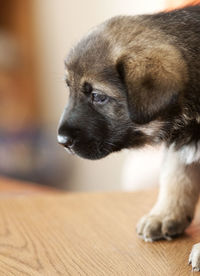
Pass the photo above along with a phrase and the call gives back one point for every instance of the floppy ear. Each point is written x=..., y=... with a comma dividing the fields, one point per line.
x=153, y=79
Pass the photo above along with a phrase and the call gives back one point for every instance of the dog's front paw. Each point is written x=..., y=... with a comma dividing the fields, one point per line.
x=155, y=227
x=194, y=258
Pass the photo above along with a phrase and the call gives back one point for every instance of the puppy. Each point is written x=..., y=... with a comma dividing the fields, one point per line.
x=135, y=80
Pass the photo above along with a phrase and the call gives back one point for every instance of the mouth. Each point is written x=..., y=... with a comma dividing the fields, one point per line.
x=88, y=150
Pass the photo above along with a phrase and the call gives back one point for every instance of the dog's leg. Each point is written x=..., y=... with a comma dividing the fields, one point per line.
x=175, y=206
x=194, y=258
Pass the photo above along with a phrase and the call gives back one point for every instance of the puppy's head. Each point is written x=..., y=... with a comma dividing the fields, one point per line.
x=119, y=96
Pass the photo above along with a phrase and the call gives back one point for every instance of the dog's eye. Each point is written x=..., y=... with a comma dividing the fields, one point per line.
x=99, y=98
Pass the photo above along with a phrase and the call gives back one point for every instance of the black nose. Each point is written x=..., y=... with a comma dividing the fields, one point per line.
x=65, y=141
x=68, y=131
x=66, y=134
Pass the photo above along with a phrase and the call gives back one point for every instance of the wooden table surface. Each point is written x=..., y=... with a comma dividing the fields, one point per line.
x=51, y=234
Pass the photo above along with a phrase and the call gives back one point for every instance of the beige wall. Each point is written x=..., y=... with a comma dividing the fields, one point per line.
x=58, y=25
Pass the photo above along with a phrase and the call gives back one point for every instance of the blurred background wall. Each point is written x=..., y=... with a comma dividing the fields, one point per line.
x=34, y=39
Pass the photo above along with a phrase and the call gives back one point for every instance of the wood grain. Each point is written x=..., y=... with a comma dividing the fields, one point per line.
x=86, y=234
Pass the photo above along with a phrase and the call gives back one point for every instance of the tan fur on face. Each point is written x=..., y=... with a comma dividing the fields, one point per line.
x=151, y=129
x=155, y=70
x=159, y=63
x=152, y=80
x=101, y=86
x=145, y=45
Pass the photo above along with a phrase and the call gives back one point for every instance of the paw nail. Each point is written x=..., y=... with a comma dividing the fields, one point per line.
x=195, y=269
x=168, y=238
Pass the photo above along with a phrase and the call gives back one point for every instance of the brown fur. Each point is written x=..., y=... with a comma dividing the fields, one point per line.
x=135, y=80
